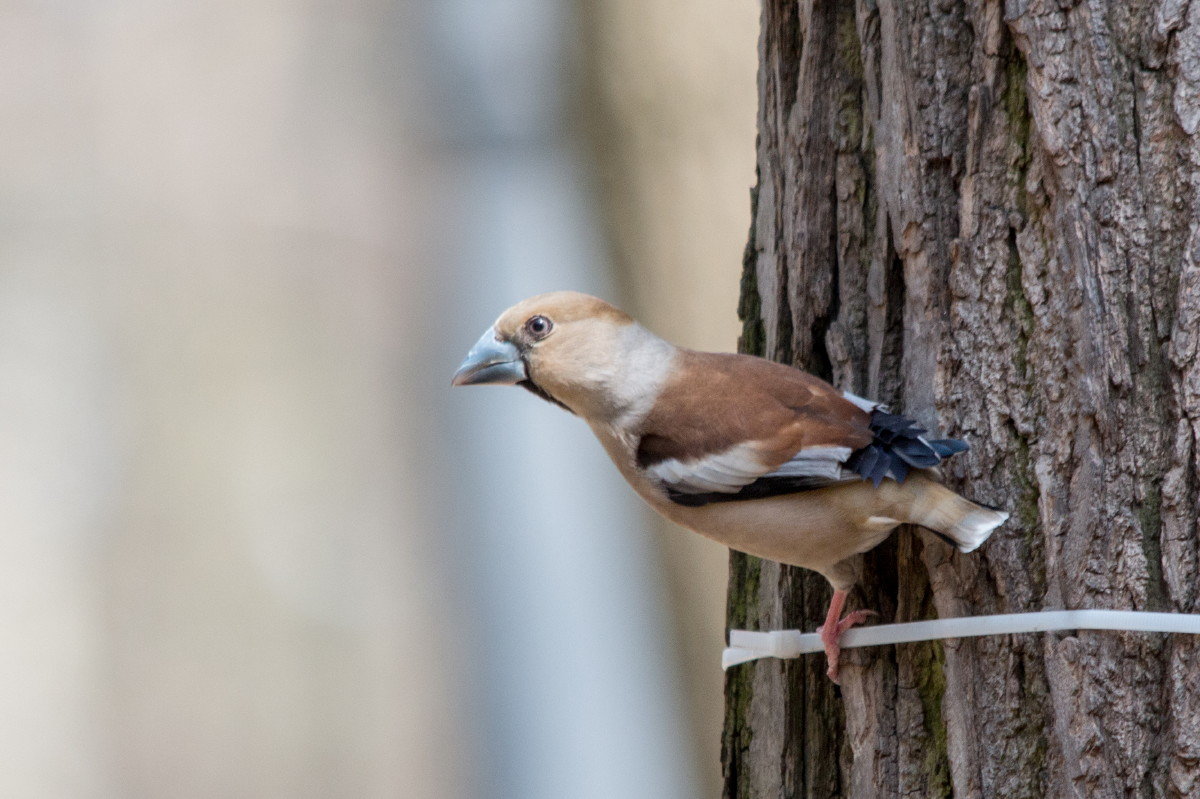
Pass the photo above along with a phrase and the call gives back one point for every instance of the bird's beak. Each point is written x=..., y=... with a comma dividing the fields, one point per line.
x=491, y=361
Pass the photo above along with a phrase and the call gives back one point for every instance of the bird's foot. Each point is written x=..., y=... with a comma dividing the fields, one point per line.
x=831, y=633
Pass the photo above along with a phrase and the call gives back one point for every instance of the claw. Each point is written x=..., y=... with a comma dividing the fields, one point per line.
x=835, y=624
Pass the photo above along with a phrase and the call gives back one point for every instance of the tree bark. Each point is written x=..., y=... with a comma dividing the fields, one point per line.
x=986, y=214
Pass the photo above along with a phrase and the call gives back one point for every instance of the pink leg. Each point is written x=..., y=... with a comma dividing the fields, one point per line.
x=835, y=625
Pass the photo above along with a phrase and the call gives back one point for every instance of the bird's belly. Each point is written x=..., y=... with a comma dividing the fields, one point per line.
x=813, y=529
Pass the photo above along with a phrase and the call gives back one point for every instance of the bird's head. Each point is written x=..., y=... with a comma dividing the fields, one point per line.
x=570, y=348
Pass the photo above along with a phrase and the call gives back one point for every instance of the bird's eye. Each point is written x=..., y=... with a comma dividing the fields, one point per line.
x=538, y=326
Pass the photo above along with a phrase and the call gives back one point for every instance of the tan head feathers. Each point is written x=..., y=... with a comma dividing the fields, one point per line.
x=558, y=307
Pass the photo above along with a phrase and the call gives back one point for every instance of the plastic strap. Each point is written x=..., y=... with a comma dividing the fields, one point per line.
x=745, y=645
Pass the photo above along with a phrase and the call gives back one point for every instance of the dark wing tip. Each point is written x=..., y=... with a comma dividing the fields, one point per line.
x=916, y=453
x=945, y=447
x=898, y=448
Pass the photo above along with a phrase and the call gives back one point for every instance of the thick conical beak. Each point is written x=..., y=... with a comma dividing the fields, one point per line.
x=490, y=361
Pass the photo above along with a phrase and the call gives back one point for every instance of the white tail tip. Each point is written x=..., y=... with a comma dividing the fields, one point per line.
x=975, y=527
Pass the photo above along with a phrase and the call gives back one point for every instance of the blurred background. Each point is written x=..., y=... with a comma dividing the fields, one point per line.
x=250, y=542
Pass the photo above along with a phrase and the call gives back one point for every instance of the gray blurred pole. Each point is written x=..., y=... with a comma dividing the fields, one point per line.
x=574, y=656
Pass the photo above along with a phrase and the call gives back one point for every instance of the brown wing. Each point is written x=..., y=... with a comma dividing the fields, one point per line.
x=726, y=420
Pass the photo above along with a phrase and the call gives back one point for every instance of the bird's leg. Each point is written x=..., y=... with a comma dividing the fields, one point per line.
x=835, y=625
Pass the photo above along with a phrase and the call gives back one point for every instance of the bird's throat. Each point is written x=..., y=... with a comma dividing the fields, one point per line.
x=537, y=390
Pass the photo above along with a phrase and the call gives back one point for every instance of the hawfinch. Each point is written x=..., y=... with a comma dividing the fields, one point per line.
x=759, y=456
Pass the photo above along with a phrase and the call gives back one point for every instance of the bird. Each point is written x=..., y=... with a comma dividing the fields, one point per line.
x=757, y=455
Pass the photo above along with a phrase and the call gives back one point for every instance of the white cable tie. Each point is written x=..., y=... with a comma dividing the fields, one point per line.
x=746, y=645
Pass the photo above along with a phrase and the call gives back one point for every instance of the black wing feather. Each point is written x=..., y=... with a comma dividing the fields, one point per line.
x=898, y=447
x=759, y=489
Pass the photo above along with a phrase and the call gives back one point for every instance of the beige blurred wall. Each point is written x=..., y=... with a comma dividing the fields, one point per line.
x=675, y=137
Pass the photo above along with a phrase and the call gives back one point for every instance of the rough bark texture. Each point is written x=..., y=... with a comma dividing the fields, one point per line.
x=986, y=214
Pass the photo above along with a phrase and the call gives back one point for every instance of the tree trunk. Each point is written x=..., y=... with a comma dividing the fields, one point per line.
x=986, y=215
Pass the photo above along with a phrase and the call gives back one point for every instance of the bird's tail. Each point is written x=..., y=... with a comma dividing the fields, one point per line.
x=965, y=523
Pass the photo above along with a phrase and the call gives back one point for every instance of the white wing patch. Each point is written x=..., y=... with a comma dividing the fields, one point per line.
x=729, y=471
x=725, y=472
x=814, y=462
x=866, y=404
